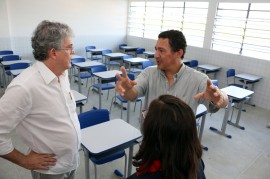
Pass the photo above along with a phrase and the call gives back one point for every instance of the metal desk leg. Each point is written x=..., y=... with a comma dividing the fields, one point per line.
x=201, y=131
x=79, y=79
x=236, y=124
x=108, y=63
x=224, y=123
x=86, y=163
x=130, y=160
x=128, y=111
x=99, y=90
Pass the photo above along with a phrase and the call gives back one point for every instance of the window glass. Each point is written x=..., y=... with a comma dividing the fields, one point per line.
x=242, y=28
x=148, y=19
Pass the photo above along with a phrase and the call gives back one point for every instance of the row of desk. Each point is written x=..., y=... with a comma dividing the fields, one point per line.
x=5, y=64
x=119, y=135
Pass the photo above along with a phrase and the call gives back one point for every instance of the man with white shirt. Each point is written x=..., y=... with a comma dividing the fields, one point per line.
x=40, y=106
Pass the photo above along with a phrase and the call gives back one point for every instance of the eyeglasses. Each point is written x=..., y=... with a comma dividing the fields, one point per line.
x=144, y=113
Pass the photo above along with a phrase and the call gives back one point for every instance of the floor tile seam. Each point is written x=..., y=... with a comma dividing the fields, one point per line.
x=251, y=163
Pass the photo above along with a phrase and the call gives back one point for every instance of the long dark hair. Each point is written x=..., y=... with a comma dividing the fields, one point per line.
x=170, y=135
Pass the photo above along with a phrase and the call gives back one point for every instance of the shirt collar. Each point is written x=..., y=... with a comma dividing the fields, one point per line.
x=178, y=74
x=46, y=73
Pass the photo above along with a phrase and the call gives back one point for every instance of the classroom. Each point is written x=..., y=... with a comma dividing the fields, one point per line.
x=211, y=41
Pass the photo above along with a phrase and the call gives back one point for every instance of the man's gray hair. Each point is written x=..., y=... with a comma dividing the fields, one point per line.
x=49, y=35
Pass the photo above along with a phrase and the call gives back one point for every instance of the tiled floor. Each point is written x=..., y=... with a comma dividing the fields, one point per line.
x=245, y=156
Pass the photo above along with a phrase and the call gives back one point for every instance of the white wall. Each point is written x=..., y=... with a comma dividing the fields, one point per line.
x=5, y=42
x=243, y=64
x=101, y=23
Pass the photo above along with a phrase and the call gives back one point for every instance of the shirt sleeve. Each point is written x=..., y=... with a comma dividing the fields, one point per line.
x=142, y=82
x=15, y=104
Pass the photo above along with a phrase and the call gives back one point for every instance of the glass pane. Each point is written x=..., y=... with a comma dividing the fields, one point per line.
x=258, y=33
x=197, y=4
x=259, y=24
x=135, y=32
x=154, y=4
x=173, y=4
x=137, y=4
x=228, y=37
x=239, y=6
x=173, y=11
x=224, y=48
x=151, y=34
x=252, y=52
x=230, y=22
x=259, y=15
x=202, y=12
x=257, y=41
x=231, y=13
x=165, y=28
x=260, y=6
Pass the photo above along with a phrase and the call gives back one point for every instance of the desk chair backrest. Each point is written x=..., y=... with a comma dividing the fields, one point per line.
x=17, y=66
x=104, y=52
x=11, y=57
x=101, y=68
x=6, y=52
x=93, y=117
x=193, y=63
x=128, y=56
x=215, y=82
x=98, y=68
x=77, y=60
x=120, y=45
x=140, y=50
x=231, y=73
x=131, y=76
x=146, y=64
x=87, y=48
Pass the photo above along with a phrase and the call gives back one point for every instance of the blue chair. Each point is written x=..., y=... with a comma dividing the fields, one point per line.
x=123, y=101
x=93, y=57
x=231, y=74
x=94, y=117
x=6, y=52
x=84, y=73
x=112, y=63
x=193, y=64
x=105, y=84
x=16, y=66
x=11, y=57
x=215, y=82
x=140, y=51
x=144, y=64
x=120, y=45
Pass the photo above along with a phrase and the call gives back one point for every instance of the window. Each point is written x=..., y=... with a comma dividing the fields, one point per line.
x=243, y=28
x=149, y=18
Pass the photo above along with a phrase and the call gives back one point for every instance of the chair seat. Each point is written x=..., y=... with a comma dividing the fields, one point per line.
x=96, y=58
x=136, y=70
x=122, y=100
x=8, y=72
x=105, y=86
x=113, y=63
x=84, y=75
x=109, y=158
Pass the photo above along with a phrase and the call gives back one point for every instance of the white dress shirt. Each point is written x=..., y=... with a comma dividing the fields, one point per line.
x=42, y=108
